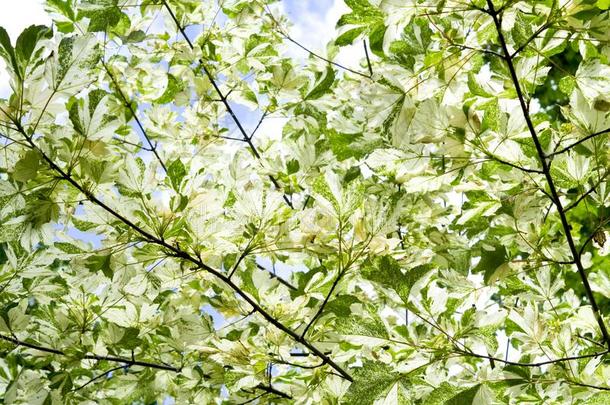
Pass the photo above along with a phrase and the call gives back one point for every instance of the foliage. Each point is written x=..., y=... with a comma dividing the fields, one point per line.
x=437, y=211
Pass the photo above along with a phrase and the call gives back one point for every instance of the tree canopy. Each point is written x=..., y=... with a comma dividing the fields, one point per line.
x=195, y=207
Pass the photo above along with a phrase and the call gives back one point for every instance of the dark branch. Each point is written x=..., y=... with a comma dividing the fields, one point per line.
x=588, y=192
x=321, y=309
x=586, y=138
x=278, y=278
x=124, y=361
x=538, y=364
x=547, y=173
x=104, y=374
x=368, y=60
x=178, y=253
x=530, y=39
x=224, y=100
x=269, y=389
x=151, y=147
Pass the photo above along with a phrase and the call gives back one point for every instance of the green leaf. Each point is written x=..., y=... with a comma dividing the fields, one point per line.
x=101, y=263
x=323, y=85
x=8, y=52
x=465, y=397
x=92, y=118
x=103, y=14
x=491, y=261
x=27, y=42
x=176, y=173
x=135, y=37
x=27, y=167
x=371, y=381
x=387, y=272
x=362, y=13
x=11, y=232
x=348, y=37
x=600, y=398
x=68, y=248
x=493, y=119
x=348, y=323
x=447, y=394
x=522, y=29
x=567, y=84
x=475, y=88
x=292, y=166
x=174, y=86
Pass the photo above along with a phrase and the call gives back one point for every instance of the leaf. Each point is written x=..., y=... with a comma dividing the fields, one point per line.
x=135, y=36
x=593, y=79
x=371, y=381
x=174, y=86
x=322, y=188
x=600, y=398
x=464, y=397
x=27, y=167
x=491, y=261
x=387, y=272
x=447, y=394
x=11, y=232
x=603, y=4
x=522, y=29
x=493, y=119
x=362, y=13
x=91, y=116
x=102, y=14
x=27, y=42
x=322, y=85
x=348, y=37
x=349, y=323
x=176, y=173
x=7, y=51
x=74, y=65
x=101, y=263
x=292, y=166
x=68, y=248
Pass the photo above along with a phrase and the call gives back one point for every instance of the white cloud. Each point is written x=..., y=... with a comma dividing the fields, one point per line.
x=14, y=18
x=314, y=27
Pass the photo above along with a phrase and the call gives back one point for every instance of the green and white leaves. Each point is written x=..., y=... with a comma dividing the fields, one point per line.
x=27, y=51
x=272, y=226
x=593, y=79
x=73, y=65
x=91, y=117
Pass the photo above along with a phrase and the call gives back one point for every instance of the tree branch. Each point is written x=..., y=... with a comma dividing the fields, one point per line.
x=588, y=192
x=278, y=278
x=546, y=169
x=368, y=60
x=586, y=138
x=124, y=361
x=269, y=389
x=177, y=252
x=224, y=100
x=152, y=148
x=538, y=364
x=105, y=373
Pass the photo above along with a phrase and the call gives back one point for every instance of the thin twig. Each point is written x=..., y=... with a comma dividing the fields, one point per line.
x=152, y=147
x=586, y=138
x=105, y=373
x=224, y=100
x=368, y=60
